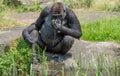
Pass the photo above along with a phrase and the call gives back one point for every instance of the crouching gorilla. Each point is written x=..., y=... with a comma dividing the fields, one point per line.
x=55, y=29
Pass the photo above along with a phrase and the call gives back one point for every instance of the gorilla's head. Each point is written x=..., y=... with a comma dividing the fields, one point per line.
x=58, y=12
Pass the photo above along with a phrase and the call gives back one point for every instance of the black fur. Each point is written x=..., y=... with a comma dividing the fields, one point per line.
x=57, y=39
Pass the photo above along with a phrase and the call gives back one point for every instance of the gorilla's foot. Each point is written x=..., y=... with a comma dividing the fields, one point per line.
x=58, y=58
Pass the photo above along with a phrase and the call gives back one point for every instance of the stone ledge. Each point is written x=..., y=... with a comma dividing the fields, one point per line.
x=8, y=35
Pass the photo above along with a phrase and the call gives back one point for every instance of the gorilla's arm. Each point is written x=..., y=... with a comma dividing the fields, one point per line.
x=41, y=19
x=26, y=33
x=35, y=26
x=74, y=28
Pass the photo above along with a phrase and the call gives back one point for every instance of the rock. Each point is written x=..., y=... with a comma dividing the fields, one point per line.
x=8, y=35
x=56, y=64
x=25, y=1
x=30, y=1
x=88, y=53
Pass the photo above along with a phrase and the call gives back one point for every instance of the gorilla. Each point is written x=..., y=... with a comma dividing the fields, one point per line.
x=55, y=30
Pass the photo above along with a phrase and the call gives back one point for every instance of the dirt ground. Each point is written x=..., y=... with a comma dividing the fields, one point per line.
x=84, y=16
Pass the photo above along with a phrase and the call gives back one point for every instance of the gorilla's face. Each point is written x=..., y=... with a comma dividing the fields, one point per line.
x=58, y=13
x=57, y=18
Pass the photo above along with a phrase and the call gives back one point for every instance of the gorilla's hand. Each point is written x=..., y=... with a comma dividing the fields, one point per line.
x=56, y=24
x=27, y=37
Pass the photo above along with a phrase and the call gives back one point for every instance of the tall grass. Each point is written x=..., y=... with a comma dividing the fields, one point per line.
x=102, y=30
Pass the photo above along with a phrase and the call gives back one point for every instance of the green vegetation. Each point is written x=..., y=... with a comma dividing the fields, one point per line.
x=10, y=9
x=102, y=30
x=17, y=62
x=104, y=5
x=4, y=22
x=20, y=8
x=117, y=8
x=77, y=3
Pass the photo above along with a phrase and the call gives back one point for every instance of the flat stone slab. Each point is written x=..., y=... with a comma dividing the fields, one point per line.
x=9, y=34
x=88, y=52
x=85, y=52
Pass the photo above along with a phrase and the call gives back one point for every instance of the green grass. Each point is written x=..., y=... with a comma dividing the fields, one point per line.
x=102, y=30
x=4, y=22
x=16, y=61
x=104, y=5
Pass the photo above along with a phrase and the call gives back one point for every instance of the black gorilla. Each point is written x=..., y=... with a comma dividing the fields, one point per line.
x=55, y=29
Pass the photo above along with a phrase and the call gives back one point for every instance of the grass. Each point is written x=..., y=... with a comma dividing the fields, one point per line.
x=17, y=62
x=4, y=22
x=7, y=10
x=104, y=5
x=102, y=30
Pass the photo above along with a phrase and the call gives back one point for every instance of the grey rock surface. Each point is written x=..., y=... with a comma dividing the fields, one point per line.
x=87, y=53
x=9, y=34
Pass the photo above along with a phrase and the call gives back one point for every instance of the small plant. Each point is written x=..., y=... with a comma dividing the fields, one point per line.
x=77, y=3
x=88, y=3
x=117, y=8
x=35, y=6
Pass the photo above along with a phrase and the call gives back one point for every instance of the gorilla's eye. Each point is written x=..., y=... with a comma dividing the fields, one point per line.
x=56, y=16
x=53, y=16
